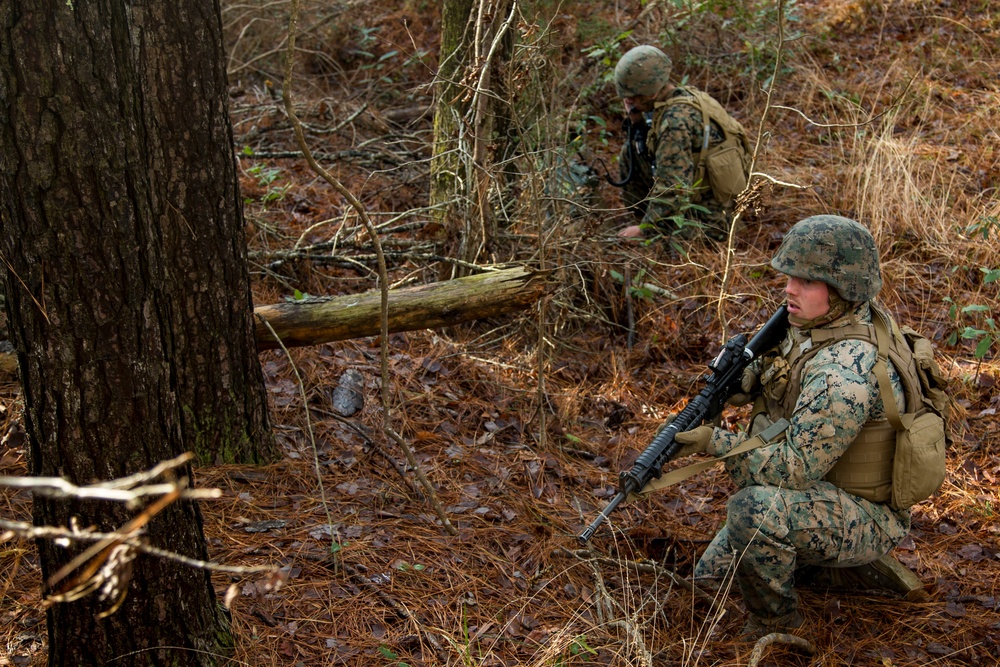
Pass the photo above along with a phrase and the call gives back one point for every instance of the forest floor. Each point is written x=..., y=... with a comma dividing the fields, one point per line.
x=521, y=424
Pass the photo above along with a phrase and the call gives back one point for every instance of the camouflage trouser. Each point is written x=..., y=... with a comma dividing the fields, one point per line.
x=770, y=531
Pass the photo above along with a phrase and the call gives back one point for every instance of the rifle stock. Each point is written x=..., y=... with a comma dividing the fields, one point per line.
x=727, y=372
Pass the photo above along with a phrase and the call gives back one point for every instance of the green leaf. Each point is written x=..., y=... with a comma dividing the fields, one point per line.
x=992, y=275
x=972, y=332
x=617, y=276
x=984, y=346
x=384, y=650
x=573, y=438
x=298, y=296
x=975, y=308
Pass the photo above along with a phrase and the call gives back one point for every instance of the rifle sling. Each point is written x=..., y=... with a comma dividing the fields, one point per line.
x=679, y=475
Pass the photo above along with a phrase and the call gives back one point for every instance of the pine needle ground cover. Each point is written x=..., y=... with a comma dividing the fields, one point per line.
x=882, y=112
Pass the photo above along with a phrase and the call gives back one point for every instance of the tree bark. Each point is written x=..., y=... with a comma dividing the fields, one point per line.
x=124, y=267
x=450, y=107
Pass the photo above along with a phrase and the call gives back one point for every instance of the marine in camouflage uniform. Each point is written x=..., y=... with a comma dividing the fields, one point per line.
x=785, y=515
x=670, y=200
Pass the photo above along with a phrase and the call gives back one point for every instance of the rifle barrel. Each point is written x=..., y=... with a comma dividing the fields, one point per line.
x=585, y=536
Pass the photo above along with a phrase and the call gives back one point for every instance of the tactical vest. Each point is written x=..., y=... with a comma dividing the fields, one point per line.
x=724, y=167
x=866, y=467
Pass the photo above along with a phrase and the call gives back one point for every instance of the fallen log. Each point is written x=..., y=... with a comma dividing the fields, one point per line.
x=312, y=320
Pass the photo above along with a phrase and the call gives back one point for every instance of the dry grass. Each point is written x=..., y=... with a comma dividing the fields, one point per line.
x=523, y=424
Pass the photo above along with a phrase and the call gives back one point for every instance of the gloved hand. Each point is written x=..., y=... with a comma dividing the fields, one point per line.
x=694, y=441
x=748, y=383
x=666, y=422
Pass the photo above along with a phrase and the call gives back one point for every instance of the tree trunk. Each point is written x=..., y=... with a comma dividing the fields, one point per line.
x=449, y=110
x=127, y=292
x=471, y=117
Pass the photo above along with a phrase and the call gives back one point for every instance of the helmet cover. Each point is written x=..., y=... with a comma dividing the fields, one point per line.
x=643, y=70
x=834, y=250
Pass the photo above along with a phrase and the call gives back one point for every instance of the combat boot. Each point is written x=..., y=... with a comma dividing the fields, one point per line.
x=889, y=574
x=884, y=574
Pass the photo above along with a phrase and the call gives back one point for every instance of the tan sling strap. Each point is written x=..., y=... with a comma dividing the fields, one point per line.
x=674, y=476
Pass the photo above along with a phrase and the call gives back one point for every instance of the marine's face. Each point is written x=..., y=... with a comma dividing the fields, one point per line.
x=641, y=103
x=807, y=299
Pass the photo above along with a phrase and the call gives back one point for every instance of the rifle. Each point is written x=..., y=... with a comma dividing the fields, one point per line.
x=636, y=137
x=727, y=372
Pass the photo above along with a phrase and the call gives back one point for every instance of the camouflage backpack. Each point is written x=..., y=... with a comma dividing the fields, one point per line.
x=724, y=167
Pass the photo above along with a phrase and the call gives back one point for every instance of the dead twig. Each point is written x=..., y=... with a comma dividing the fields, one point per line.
x=28, y=531
x=778, y=638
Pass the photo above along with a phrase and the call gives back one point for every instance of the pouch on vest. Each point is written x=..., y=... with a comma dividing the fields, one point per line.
x=932, y=381
x=866, y=468
x=726, y=173
x=918, y=468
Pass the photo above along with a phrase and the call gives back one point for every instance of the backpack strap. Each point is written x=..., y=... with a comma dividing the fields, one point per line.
x=837, y=334
x=882, y=337
x=704, y=142
x=691, y=97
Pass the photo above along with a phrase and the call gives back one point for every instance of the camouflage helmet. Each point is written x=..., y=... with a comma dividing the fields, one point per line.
x=644, y=71
x=834, y=250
